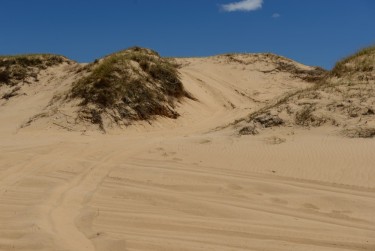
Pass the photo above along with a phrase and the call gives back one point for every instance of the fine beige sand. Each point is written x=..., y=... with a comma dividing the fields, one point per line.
x=190, y=184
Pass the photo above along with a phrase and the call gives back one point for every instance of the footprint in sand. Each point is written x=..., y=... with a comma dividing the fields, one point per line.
x=234, y=186
x=274, y=140
x=204, y=141
x=310, y=206
x=279, y=201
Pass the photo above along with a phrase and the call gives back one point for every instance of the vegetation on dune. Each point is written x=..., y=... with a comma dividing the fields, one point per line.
x=35, y=60
x=15, y=69
x=11, y=93
x=133, y=84
x=343, y=97
x=314, y=75
x=282, y=64
x=361, y=61
x=138, y=84
x=360, y=132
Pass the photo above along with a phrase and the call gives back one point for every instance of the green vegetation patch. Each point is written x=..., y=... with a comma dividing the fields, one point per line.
x=361, y=61
x=14, y=69
x=134, y=84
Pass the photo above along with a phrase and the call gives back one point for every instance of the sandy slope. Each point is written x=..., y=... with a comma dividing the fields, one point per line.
x=179, y=184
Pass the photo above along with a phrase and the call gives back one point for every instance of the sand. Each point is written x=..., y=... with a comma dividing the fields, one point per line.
x=183, y=184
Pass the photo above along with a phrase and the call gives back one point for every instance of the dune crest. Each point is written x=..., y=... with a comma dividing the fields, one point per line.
x=342, y=99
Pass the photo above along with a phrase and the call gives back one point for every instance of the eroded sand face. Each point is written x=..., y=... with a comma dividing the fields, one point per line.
x=181, y=184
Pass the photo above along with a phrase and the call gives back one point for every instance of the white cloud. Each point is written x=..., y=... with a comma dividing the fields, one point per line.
x=276, y=15
x=244, y=5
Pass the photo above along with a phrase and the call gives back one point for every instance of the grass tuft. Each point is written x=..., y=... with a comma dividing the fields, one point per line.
x=14, y=69
x=133, y=84
x=343, y=66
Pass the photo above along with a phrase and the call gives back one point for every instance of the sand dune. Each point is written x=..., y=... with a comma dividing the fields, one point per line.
x=183, y=184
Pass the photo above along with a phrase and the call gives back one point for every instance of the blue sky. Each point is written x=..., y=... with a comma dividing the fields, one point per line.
x=314, y=32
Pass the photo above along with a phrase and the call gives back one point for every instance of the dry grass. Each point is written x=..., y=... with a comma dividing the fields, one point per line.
x=282, y=64
x=356, y=62
x=360, y=132
x=306, y=117
x=133, y=84
x=344, y=97
x=20, y=68
x=248, y=130
x=11, y=93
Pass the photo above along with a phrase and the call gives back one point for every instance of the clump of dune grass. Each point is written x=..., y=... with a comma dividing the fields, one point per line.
x=133, y=84
x=19, y=68
x=360, y=61
x=306, y=117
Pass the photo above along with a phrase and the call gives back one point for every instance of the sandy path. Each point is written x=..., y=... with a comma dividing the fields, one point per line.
x=173, y=203
x=163, y=195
